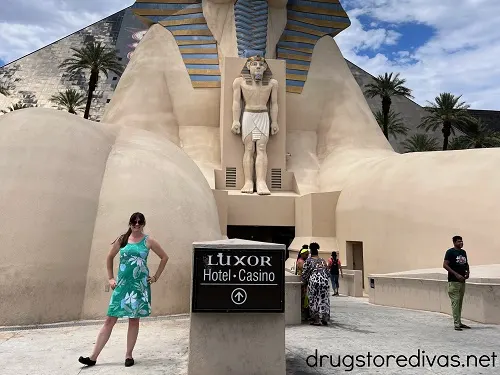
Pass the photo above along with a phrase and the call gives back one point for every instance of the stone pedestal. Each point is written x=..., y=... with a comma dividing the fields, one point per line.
x=236, y=343
x=293, y=311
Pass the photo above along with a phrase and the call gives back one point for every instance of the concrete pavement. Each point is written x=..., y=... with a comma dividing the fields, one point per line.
x=357, y=329
x=361, y=329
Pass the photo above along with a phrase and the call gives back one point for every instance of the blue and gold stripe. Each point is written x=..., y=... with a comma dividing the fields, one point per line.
x=251, y=27
x=198, y=47
x=308, y=21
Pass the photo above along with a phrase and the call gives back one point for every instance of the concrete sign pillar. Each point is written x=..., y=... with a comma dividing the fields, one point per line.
x=237, y=309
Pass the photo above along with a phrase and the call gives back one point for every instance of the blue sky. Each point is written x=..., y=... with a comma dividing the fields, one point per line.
x=437, y=46
x=407, y=36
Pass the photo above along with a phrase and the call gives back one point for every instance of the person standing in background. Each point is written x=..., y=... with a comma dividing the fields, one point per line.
x=304, y=300
x=457, y=265
x=315, y=276
x=335, y=267
x=301, y=258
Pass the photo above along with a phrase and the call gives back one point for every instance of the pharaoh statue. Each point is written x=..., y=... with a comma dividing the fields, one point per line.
x=255, y=127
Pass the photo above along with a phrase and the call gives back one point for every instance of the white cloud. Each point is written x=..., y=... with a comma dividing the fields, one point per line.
x=462, y=57
x=27, y=25
x=356, y=38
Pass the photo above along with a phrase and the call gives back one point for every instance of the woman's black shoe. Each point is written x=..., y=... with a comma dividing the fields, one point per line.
x=129, y=362
x=86, y=361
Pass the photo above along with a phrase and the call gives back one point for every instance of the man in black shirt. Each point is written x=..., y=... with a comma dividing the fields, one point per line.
x=455, y=262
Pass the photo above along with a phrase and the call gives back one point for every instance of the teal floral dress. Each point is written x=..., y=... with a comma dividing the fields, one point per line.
x=132, y=296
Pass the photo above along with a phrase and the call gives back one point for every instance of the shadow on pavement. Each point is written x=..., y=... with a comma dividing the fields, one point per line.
x=295, y=365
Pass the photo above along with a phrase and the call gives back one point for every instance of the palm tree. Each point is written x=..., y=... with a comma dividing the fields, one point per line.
x=475, y=134
x=17, y=106
x=447, y=112
x=386, y=87
x=71, y=100
x=457, y=143
x=420, y=143
x=4, y=90
x=94, y=58
x=395, y=123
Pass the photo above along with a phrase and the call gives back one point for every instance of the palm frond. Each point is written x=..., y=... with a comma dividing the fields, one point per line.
x=395, y=123
x=17, y=106
x=457, y=143
x=387, y=86
x=420, y=143
x=71, y=100
x=93, y=57
x=4, y=90
x=476, y=134
x=445, y=108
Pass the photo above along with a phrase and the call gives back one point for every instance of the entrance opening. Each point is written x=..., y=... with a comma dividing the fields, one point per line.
x=280, y=235
x=354, y=258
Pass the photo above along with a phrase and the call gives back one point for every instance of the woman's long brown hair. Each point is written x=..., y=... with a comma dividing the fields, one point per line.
x=137, y=216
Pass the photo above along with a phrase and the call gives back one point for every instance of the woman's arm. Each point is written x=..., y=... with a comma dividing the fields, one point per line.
x=155, y=246
x=306, y=270
x=109, y=262
x=300, y=265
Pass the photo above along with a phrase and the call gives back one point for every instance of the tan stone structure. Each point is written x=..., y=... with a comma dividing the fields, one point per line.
x=67, y=189
x=427, y=290
x=165, y=148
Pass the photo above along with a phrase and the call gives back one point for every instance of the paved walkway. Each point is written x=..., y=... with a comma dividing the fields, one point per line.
x=358, y=328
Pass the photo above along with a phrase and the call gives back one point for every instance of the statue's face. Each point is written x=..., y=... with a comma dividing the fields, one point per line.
x=257, y=69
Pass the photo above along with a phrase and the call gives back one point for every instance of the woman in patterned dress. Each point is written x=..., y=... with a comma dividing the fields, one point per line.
x=315, y=274
x=131, y=296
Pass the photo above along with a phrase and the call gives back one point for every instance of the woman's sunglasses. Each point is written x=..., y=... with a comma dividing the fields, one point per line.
x=139, y=222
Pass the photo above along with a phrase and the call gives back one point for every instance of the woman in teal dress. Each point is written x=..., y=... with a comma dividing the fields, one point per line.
x=131, y=297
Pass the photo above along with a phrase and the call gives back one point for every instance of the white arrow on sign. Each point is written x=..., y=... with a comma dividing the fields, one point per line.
x=239, y=296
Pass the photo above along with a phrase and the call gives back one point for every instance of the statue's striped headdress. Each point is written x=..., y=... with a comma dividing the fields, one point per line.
x=185, y=19
x=308, y=21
